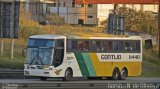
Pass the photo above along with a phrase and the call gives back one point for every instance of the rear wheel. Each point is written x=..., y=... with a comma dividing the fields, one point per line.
x=43, y=78
x=116, y=74
x=68, y=74
x=123, y=74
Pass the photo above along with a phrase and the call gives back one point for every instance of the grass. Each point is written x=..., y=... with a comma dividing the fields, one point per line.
x=150, y=69
x=7, y=63
x=151, y=63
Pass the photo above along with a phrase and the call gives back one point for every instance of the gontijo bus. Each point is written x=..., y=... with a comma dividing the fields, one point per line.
x=83, y=56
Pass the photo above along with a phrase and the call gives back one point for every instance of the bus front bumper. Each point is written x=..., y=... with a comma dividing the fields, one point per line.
x=40, y=73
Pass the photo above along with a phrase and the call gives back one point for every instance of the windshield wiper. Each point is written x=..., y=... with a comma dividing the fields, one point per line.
x=36, y=60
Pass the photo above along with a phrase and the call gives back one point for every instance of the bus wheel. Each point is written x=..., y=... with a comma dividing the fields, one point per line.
x=123, y=74
x=68, y=74
x=43, y=78
x=115, y=74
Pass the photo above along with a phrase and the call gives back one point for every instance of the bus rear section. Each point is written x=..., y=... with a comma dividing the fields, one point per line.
x=113, y=57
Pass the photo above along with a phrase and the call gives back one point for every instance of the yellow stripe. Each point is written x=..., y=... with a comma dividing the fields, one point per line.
x=98, y=66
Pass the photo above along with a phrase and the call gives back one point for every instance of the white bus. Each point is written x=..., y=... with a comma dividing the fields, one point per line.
x=83, y=56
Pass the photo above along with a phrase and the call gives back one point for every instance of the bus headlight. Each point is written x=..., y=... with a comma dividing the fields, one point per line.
x=26, y=66
x=46, y=67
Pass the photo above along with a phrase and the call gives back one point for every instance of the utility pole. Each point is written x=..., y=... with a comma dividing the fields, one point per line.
x=1, y=29
x=12, y=28
x=141, y=7
x=159, y=29
x=58, y=7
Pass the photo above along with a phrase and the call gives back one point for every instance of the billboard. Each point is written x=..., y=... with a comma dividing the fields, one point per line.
x=9, y=19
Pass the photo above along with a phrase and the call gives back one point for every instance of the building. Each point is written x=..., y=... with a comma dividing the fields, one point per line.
x=73, y=13
x=37, y=9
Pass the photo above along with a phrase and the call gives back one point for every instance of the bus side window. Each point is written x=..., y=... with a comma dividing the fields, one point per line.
x=138, y=47
x=115, y=45
x=120, y=46
x=85, y=45
x=128, y=46
x=58, y=53
x=109, y=45
x=95, y=46
x=74, y=45
x=98, y=45
x=92, y=46
x=105, y=46
x=69, y=45
x=80, y=46
x=135, y=46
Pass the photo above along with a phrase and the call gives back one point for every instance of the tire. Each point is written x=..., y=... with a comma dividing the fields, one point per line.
x=123, y=74
x=43, y=78
x=68, y=75
x=116, y=74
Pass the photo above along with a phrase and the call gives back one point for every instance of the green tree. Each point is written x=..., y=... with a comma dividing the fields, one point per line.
x=139, y=21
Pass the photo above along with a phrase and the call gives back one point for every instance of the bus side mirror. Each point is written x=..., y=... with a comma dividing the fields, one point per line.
x=24, y=52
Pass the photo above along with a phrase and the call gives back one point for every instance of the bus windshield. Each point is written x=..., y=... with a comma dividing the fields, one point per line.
x=39, y=52
x=41, y=43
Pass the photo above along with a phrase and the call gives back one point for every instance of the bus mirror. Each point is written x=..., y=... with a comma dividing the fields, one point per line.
x=24, y=52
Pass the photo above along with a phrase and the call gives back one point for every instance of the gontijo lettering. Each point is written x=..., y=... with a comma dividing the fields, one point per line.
x=107, y=57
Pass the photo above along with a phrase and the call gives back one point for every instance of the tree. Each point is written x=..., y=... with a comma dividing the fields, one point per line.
x=139, y=21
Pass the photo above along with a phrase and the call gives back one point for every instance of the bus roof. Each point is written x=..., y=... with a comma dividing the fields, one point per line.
x=84, y=36
x=47, y=36
x=99, y=36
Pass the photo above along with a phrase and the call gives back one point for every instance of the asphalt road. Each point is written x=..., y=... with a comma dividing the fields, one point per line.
x=129, y=83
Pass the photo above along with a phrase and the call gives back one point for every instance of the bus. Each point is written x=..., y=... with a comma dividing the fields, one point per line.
x=89, y=56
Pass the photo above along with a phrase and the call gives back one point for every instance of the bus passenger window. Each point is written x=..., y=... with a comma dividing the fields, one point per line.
x=138, y=48
x=80, y=46
x=115, y=45
x=120, y=46
x=69, y=45
x=85, y=45
x=109, y=45
x=98, y=46
x=105, y=46
x=128, y=46
x=74, y=45
x=95, y=46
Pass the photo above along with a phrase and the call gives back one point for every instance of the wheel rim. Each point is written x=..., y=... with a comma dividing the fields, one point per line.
x=116, y=76
x=68, y=74
x=123, y=74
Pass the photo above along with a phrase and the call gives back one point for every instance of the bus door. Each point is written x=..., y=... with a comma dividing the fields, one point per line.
x=58, y=55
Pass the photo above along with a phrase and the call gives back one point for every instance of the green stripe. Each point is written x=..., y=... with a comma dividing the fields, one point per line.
x=82, y=64
x=89, y=64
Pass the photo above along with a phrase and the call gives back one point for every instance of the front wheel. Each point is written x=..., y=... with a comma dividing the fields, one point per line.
x=68, y=74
